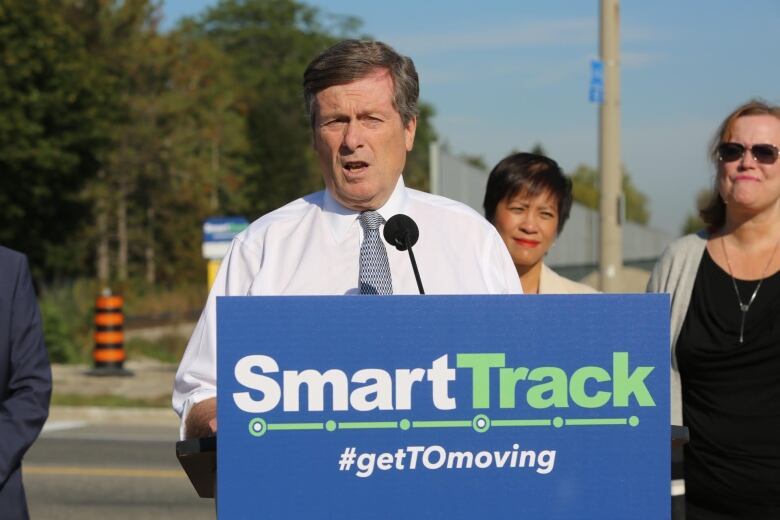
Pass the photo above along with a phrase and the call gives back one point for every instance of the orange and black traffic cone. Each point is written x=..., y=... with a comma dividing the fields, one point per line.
x=109, y=352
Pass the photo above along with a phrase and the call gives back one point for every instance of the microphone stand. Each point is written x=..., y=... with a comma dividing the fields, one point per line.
x=414, y=267
x=401, y=232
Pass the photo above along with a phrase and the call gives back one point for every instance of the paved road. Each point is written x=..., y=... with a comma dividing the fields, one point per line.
x=84, y=470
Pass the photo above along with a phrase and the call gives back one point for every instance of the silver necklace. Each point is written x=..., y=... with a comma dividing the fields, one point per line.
x=745, y=307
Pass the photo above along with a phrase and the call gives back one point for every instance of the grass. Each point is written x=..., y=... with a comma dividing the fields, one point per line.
x=168, y=349
x=144, y=299
x=68, y=317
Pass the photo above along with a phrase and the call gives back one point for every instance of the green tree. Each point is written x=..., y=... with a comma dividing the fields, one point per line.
x=201, y=167
x=693, y=222
x=178, y=141
x=538, y=149
x=636, y=201
x=417, y=170
x=270, y=43
x=585, y=186
x=477, y=161
x=585, y=189
x=118, y=140
x=52, y=133
x=121, y=38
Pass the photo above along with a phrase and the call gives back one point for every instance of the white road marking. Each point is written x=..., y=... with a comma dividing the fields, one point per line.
x=57, y=426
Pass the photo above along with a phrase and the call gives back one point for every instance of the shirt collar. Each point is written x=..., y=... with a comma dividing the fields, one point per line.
x=342, y=219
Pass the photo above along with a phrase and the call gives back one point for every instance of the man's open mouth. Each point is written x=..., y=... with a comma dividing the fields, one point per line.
x=355, y=166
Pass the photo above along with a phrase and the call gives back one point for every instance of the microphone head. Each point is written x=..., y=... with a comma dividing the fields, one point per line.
x=401, y=231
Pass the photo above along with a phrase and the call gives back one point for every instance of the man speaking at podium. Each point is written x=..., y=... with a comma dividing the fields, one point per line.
x=361, y=97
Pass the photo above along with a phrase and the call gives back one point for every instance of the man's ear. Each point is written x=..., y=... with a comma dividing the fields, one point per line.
x=409, y=132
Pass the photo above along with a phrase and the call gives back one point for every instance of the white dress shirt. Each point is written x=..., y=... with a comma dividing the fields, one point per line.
x=312, y=247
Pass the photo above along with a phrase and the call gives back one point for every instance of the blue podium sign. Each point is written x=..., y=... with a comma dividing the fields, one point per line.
x=410, y=407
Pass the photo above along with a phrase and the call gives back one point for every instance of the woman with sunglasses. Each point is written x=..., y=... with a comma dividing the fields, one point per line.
x=725, y=326
x=528, y=199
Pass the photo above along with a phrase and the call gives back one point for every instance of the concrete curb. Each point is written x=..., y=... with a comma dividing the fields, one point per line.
x=115, y=415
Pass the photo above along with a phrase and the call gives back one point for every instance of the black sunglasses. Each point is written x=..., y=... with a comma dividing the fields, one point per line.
x=762, y=153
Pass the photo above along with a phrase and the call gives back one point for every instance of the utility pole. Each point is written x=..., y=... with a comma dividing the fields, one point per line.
x=611, y=202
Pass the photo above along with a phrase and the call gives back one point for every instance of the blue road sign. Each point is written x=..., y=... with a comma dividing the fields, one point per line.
x=596, y=89
x=223, y=229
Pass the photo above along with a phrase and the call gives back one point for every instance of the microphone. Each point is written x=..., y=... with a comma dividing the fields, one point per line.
x=402, y=232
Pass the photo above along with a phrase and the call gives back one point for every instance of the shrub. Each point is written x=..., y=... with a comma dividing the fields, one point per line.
x=66, y=327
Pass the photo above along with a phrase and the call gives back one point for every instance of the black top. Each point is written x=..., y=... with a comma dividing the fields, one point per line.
x=731, y=394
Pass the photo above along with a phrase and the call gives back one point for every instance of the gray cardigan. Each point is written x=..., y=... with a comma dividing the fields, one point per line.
x=675, y=273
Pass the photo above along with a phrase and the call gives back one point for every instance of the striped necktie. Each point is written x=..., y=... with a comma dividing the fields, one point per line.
x=375, y=275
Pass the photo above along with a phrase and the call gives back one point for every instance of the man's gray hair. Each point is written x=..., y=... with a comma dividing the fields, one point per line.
x=352, y=60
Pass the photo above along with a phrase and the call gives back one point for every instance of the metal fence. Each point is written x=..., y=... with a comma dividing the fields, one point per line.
x=576, y=252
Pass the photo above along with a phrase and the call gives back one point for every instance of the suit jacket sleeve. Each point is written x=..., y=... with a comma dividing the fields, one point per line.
x=25, y=373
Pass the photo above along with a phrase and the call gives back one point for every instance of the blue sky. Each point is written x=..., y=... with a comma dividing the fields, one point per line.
x=505, y=75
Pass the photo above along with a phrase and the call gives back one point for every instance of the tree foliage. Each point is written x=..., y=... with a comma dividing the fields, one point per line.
x=53, y=130
x=538, y=149
x=475, y=160
x=693, y=222
x=417, y=170
x=585, y=189
x=117, y=139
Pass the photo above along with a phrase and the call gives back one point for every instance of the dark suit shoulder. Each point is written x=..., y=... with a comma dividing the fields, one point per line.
x=13, y=269
x=10, y=257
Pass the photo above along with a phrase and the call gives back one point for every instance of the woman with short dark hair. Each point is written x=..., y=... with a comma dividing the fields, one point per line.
x=528, y=199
